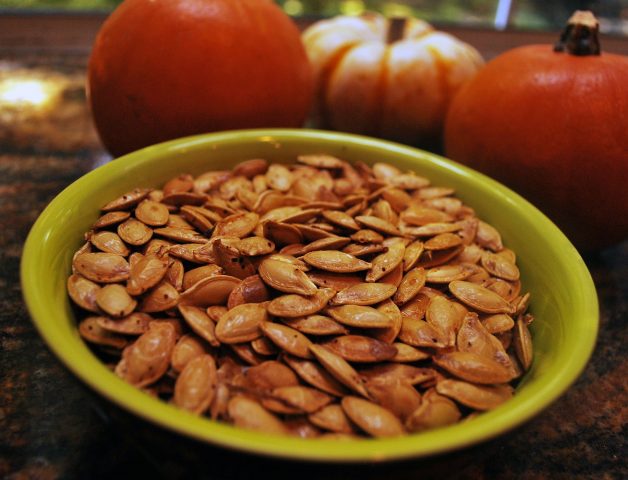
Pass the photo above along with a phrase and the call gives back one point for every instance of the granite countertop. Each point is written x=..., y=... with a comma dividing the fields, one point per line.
x=52, y=426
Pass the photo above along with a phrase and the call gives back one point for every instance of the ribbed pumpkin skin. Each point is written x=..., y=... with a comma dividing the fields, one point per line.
x=396, y=89
x=554, y=127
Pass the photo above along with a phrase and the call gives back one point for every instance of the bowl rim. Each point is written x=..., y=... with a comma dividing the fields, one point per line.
x=437, y=441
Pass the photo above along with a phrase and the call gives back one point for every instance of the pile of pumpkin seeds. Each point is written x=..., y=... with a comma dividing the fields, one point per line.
x=319, y=299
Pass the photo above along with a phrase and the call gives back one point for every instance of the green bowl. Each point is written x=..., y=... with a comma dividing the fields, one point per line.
x=564, y=300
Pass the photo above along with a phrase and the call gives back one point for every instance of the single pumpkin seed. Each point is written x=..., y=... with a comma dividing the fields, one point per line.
x=102, y=267
x=195, y=386
x=293, y=306
x=187, y=348
x=479, y=397
x=473, y=367
x=148, y=358
x=361, y=349
x=241, y=323
x=363, y=294
x=386, y=262
x=114, y=300
x=127, y=201
x=287, y=339
x=83, y=292
x=479, y=298
x=285, y=277
x=372, y=418
x=200, y=323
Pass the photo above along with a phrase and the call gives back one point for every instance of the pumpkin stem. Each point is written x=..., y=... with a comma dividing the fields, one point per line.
x=396, y=26
x=580, y=36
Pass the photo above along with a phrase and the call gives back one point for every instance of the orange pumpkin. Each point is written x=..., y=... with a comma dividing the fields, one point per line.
x=552, y=123
x=168, y=68
x=387, y=78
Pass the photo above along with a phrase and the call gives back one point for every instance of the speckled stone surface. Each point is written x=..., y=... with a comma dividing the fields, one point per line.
x=51, y=426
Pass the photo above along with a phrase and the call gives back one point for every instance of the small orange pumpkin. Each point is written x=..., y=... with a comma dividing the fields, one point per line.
x=387, y=78
x=553, y=125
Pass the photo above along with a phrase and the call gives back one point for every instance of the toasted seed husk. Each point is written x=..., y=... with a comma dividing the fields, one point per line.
x=386, y=262
x=339, y=369
x=114, y=300
x=246, y=353
x=180, y=235
x=230, y=259
x=160, y=298
x=522, y=341
x=473, y=337
x=90, y=330
x=408, y=353
x=335, y=261
x=188, y=347
x=200, y=323
x=147, y=359
x=190, y=277
x=108, y=242
x=306, y=399
x=237, y=225
x=410, y=285
x=287, y=339
x=445, y=316
x=443, y=241
x=488, y=237
x=294, y=306
x=111, y=218
x=473, y=367
x=432, y=414
x=388, y=334
x=197, y=217
x=374, y=419
x=316, y=325
x=334, y=419
x=447, y=273
x=154, y=214
x=479, y=298
x=195, y=386
x=367, y=236
x=269, y=375
x=247, y=413
x=377, y=224
x=285, y=278
x=500, y=266
x=341, y=219
x=134, y=232
x=128, y=200
x=360, y=316
x=498, y=323
x=363, y=294
x=314, y=374
x=146, y=273
x=479, y=397
x=419, y=333
x=401, y=398
x=102, y=267
x=83, y=292
x=241, y=323
x=209, y=291
x=134, y=324
x=250, y=290
x=391, y=372
x=335, y=281
x=360, y=348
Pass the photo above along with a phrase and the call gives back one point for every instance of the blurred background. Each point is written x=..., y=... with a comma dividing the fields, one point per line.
x=499, y=14
x=45, y=45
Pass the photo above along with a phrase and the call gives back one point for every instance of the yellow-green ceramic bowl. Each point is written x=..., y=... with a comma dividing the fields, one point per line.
x=564, y=300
